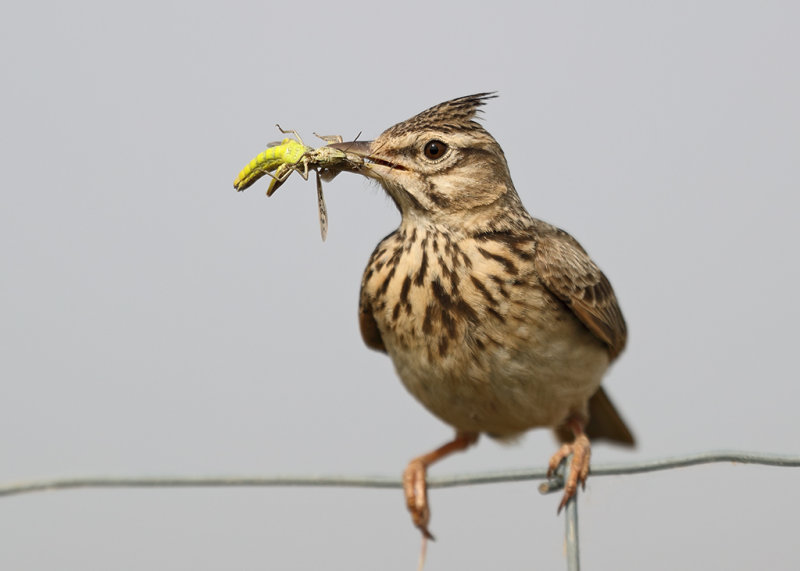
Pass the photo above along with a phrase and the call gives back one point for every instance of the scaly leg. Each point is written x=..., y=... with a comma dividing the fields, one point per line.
x=579, y=469
x=415, y=486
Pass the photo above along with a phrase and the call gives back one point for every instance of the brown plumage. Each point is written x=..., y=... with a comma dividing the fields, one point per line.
x=496, y=322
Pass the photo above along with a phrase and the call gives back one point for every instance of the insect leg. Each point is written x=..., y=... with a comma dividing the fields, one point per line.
x=280, y=176
x=292, y=131
x=304, y=173
x=330, y=138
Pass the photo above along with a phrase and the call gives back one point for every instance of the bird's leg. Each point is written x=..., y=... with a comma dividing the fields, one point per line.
x=579, y=469
x=415, y=486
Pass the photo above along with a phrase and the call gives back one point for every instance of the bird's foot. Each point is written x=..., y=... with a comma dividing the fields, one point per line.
x=581, y=452
x=416, y=491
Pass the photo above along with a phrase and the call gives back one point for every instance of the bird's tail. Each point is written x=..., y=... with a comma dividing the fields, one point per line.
x=605, y=422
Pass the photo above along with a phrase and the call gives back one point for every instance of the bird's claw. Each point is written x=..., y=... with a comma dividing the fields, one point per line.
x=416, y=492
x=581, y=452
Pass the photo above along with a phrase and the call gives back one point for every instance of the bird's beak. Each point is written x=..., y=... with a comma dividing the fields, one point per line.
x=371, y=163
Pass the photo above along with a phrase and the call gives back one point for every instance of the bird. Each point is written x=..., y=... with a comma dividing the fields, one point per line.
x=496, y=321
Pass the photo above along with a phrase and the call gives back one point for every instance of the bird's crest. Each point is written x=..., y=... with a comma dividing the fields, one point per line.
x=454, y=115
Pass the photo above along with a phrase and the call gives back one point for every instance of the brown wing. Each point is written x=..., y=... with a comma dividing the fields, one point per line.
x=369, y=329
x=567, y=271
x=366, y=320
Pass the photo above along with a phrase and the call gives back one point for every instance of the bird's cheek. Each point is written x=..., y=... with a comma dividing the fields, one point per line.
x=411, y=193
x=474, y=195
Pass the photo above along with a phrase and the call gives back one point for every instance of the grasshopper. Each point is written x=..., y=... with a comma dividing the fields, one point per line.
x=279, y=157
x=292, y=155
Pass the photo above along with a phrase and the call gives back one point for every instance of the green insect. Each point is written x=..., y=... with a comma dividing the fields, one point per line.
x=280, y=160
x=279, y=157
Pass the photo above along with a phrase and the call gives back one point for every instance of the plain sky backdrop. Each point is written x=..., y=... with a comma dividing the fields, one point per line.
x=155, y=322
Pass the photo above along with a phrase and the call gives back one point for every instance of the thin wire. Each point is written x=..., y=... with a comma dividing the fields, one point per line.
x=384, y=482
x=571, y=526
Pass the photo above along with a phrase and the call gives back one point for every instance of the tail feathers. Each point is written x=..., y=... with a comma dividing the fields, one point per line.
x=605, y=422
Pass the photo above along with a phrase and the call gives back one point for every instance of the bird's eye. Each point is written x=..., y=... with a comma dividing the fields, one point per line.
x=434, y=149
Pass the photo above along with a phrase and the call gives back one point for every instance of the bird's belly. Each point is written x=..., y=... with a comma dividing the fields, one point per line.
x=535, y=376
x=476, y=337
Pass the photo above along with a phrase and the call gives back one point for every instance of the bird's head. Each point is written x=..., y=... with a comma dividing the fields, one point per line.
x=441, y=165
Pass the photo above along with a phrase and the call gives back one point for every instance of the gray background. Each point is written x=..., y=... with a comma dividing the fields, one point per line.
x=156, y=322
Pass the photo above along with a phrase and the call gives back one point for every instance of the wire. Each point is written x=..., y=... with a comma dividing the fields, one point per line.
x=550, y=485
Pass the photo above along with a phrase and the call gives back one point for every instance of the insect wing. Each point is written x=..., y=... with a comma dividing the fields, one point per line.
x=323, y=211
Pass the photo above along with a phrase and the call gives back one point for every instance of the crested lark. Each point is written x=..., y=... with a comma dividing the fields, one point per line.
x=496, y=322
